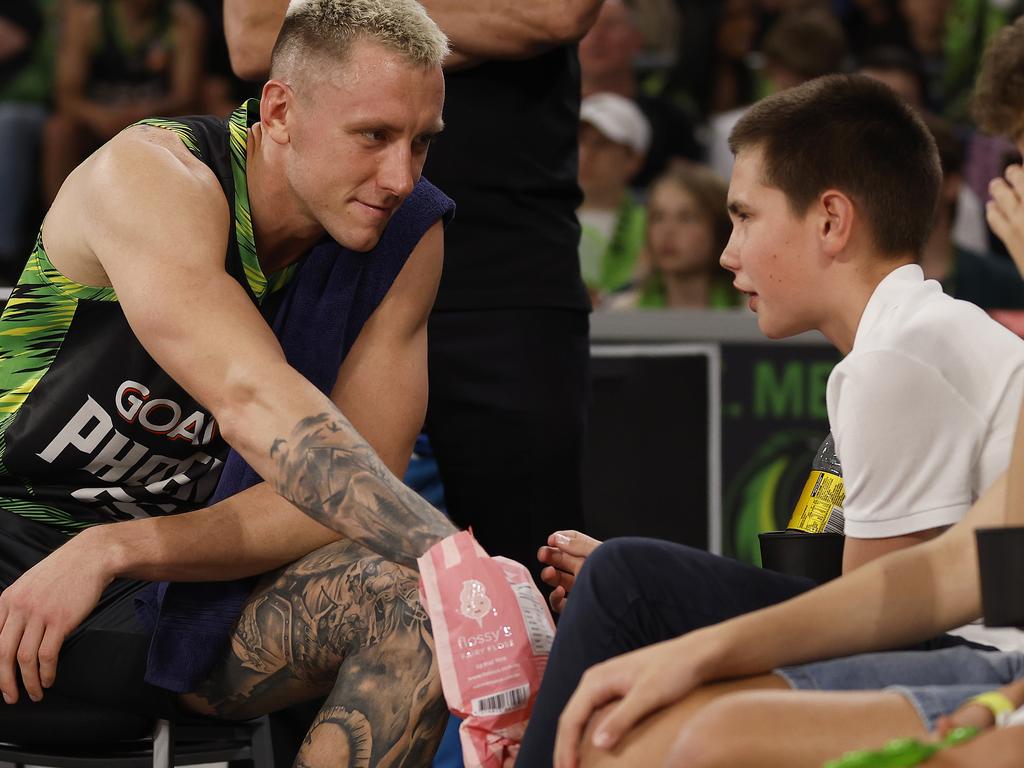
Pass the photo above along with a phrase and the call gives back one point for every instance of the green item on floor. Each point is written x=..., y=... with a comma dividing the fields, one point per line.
x=901, y=753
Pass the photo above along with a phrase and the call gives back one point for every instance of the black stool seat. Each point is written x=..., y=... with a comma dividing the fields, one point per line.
x=69, y=734
x=55, y=721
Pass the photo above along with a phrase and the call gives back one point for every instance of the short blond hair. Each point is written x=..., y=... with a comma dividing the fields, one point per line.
x=329, y=27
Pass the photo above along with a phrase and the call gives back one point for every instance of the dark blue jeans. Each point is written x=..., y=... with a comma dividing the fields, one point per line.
x=632, y=593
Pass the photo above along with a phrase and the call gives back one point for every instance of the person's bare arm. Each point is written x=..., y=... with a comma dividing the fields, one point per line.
x=251, y=27
x=79, y=30
x=509, y=29
x=893, y=601
x=382, y=390
x=291, y=434
x=477, y=31
x=857, y=552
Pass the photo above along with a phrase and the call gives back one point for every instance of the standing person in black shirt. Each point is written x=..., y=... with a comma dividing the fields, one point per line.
x=509, y=331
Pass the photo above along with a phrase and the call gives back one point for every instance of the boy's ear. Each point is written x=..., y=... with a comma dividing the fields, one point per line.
x=836, y=219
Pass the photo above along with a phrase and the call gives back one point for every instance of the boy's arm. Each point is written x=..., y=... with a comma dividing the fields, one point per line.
x=909, y=461
x=857, y=552
x=477, y=31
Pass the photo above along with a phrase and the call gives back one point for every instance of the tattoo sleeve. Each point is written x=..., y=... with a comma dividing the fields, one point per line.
x=327, y=470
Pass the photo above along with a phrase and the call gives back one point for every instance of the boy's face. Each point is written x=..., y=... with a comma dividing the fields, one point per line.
x=772, y=253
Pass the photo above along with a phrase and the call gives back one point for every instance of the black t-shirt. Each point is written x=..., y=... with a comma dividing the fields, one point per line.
x=508, y=157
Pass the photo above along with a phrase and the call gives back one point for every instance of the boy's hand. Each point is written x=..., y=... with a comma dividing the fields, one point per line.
x=1005, y=212
x=564, y=556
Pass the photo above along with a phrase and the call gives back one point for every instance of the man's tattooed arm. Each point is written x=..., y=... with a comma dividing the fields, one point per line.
x=329, y=472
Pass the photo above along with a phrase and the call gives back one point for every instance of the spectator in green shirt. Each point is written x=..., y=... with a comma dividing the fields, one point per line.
x=687, y=229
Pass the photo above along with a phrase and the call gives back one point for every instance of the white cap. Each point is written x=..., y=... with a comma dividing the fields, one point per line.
x=618, y=118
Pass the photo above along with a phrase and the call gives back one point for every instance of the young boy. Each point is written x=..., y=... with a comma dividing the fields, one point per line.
x=832, y=196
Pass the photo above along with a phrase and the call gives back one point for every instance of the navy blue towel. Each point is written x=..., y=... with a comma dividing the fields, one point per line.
x=331, y=297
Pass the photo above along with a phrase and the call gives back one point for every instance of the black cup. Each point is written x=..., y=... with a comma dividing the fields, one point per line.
x=1001, y=560
x=817, y=556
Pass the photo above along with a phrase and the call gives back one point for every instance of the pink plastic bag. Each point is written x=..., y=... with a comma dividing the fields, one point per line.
x=493, y=633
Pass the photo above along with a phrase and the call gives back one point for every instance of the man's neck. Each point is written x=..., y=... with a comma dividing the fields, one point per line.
x=283, y=234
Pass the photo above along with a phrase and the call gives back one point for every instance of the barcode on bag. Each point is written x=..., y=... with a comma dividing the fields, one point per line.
x=503, y=702
x=535, y=617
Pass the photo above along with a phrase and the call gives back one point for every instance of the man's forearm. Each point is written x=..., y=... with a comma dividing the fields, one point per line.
x=477, y=31
x=329, y=472
x=511, y=29
x=252, y=532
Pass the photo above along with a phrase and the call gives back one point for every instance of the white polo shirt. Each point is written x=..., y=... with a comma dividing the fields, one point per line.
x=923, y=409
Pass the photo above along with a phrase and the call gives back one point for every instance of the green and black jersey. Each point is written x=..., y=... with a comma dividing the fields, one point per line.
x=92, y=430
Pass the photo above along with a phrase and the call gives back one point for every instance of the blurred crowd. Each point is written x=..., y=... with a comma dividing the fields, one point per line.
x=663, y=83
x=73, y=73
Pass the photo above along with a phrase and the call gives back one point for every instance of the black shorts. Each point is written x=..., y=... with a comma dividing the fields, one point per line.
x=103, y=662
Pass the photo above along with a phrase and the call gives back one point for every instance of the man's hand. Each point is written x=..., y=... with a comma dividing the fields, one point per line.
x=1005, y=212
x=40, y=609
x=640, y=682
x=564, y=556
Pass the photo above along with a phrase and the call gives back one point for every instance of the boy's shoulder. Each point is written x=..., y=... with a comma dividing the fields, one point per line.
x=915, y=317
x=916, y=332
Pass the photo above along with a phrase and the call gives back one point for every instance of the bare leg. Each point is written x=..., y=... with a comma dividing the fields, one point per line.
x=651, y=741
x=760, y=721
x=345, y=623
x=794, y=729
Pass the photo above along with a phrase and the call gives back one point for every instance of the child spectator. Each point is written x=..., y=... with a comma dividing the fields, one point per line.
x=687, y=229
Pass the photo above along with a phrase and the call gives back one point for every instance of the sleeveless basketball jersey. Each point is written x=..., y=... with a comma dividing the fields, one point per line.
x=92, y=430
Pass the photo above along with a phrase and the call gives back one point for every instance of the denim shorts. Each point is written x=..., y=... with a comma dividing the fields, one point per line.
x=934, y=682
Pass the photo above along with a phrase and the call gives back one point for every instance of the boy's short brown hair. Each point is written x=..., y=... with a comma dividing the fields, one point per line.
x=854, y=134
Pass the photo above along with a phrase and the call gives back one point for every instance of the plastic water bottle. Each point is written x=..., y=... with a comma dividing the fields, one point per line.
x=820, y=508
